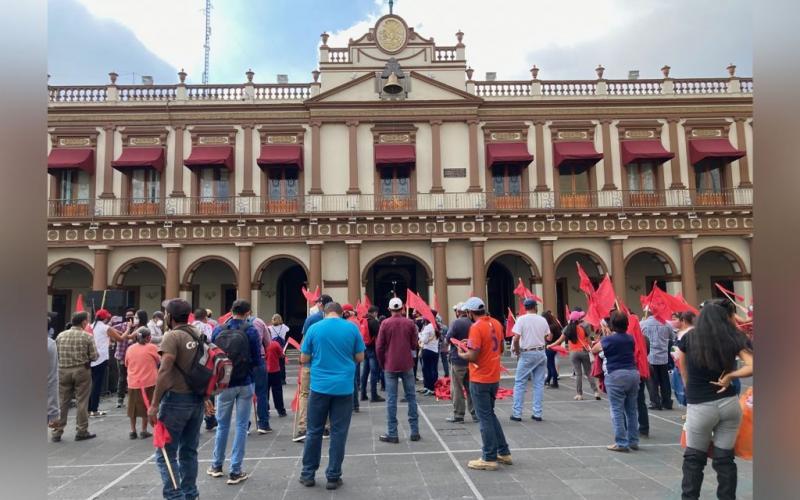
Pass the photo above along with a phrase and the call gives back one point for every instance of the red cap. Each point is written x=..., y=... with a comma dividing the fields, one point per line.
x=102, y=314
x=347, y=307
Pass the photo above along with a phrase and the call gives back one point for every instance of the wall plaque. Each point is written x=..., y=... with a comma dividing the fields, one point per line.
x=145, y=141
x=506, y=136
x=74, y=141
x=706, y=132
x=573, y=134
x=639, y=134
x=395, y=138
x=214, y=139
x=455, y=172
x=282, y=139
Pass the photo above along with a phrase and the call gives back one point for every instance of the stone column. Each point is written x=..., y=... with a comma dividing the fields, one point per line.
x=608, y=165
x=247, y=178
x=440, y=276
x=352, y=130
x=618, y=265
x=315, y=265
x=750, y=261
x=177, y=174
x=100, y=275
x=244, y=284
x=688, y=280
x=108, y=172
x=173, y=283
x=353, y=271
x=741, y=143
x=478, y=267
x=675, y=163
x=474, y=176
x=541, y=176
x=436, y=157
x=316, y=180
x=548, y=274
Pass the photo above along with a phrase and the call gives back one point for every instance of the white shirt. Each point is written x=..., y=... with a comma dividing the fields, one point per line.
x=532, y=329
x=100, y=335
x=204, y=328
x=427, y=338
x=278, y=331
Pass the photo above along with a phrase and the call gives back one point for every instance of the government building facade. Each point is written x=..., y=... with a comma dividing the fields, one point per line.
x=395, y=168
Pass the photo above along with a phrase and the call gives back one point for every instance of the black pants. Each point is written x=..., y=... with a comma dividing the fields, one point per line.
x=283, y=370
x=122, y=381
x=659, y=387
x=644, y=418
x=274, y=384
x=98, y=376
x=552, y=372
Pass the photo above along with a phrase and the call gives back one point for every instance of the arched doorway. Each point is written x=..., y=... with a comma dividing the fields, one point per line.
x=642, y=268
x=212, y=281
x=568, y=292
x=502, y=275
x=391, y=275
x=279, y=281
x=143, y=281
x=67, y=279
x=718, y=265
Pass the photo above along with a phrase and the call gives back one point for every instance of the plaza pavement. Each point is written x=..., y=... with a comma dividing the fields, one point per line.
x=563, y=457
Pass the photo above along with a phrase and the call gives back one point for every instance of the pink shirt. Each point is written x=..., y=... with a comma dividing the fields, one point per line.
x=142, y=363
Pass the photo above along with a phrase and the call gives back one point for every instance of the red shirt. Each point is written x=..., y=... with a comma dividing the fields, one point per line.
x=397, y=337
x=486, y=337
x=273, y=355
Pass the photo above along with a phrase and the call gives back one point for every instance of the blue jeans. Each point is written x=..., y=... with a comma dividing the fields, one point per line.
x=320, y=406
x=552, y=370
x=182, y=415
x=622, y=387
x=391, y=401
x=372, y=371
x=531, y=364
x=242, y=398
x=430, y=368
x=356, y=384
x=494, y=440
x=262, y=396
x=678, y=388
x=445, y=362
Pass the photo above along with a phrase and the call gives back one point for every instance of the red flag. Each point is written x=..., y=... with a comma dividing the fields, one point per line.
x=688, y=306
x=510, y=322
x=520, y=291
x=296, y=401
x=415, y=302
x=593, y=316
x=662, y=305
x=586, y=283
x=730, y=293
x=224, y=318
x=560, y=349
x=605, y=297
x=361, y=309
x=311, y=297
x=79, y=304
x=292, y=342
x=640, y=348
x=367, y=302
x=459, y=343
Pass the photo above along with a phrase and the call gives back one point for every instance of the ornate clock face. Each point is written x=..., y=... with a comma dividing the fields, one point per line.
x=391, y=34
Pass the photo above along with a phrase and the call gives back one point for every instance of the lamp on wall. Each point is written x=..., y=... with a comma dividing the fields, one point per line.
x=151, y=295
x=210, y=295
x=635, y=288
x=269, y=293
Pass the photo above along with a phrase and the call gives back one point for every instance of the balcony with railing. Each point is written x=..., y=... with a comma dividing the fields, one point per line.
x=421, y=203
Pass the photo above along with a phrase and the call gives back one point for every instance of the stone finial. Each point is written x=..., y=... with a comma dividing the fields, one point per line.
x=324, y=36
x=534, y=72
x=470, y=71
x=250, y=75
x=665, y=70
x=599, y=69
x=315, y=74
x=731, y=70
x=182, y=76
x=460, y=36
x=112, y=76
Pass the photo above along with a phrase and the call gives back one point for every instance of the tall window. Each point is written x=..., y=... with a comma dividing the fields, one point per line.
x=214, y=183
x=145, y=185
x=642, y=177
x=507, y=180
x=283, y=183
x=573, y=178
x=709, y=176
x=395, y=182
x=74, y=185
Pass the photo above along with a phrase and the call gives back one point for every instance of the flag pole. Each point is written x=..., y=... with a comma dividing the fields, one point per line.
x=734, y=302
x=103, y=302
x=169, y=468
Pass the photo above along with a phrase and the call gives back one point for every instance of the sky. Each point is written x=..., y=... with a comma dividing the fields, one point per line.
x=87, y=39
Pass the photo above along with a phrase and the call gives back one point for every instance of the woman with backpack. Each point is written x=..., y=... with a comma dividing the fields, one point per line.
x=278, y=330
x=708, y=366
x=578, y=341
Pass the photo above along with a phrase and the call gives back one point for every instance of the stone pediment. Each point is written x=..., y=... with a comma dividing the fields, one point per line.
x=422, y=88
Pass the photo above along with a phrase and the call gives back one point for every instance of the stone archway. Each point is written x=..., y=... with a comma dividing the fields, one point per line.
x=503, y=271
x=568, y=292
x=143, y=279
x=278, y=281
x=212, y=282
x=66, y=279
x=719, y=265
x=643, y=268
x=391, y=274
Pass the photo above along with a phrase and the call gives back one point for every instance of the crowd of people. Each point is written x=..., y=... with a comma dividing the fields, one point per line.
x=344, y=352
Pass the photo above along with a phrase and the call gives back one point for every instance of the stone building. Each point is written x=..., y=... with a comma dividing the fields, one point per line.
x=393, y=168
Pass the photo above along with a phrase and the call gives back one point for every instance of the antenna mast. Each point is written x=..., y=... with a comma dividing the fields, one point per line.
x=207, y=44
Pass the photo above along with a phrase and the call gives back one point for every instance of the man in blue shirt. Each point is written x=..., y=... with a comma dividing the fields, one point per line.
x=239, y=394
x=332, y=346
x=658, y=385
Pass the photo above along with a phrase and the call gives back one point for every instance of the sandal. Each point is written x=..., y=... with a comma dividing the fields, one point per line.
x=578, y=397
x=133, y=435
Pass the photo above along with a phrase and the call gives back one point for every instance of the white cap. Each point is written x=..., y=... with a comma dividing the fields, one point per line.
x=458, y=306
x=474, y=304
x=395, y=304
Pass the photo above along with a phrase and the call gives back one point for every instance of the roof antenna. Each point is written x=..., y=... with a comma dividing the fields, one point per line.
x=391, y=5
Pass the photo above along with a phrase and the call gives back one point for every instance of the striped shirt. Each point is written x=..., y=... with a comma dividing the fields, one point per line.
x=75, y=348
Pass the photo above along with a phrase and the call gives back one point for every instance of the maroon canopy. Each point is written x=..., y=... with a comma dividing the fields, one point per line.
x=63, y=158
x=652, y=150
x=283, y=154
x=507, y=152
x=202, y=156
x=700, y=149
x=394, y=154
x=567, y=153
x=135, y=157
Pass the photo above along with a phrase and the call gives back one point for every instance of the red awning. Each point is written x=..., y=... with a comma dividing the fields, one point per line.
x=63, y=158
x=135, y=157
x=394, y=154
x=645, y=150
x=203, y=156
x=507, y=152
x=274, y=155
x=700, y=149
x=568, y=153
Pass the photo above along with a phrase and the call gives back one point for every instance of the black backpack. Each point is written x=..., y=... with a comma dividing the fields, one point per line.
x=237, y=347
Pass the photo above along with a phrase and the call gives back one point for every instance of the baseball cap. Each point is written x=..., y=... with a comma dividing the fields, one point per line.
x=576, y=315
x=102, y=314
x=529, y=303
x=458, y=307
x=347, y=307
x=324, y=299
x=474, y=304
x=177, y=308
x=395, y=304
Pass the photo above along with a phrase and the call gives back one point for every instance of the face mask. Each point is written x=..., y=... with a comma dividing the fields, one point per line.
x=159, y=323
